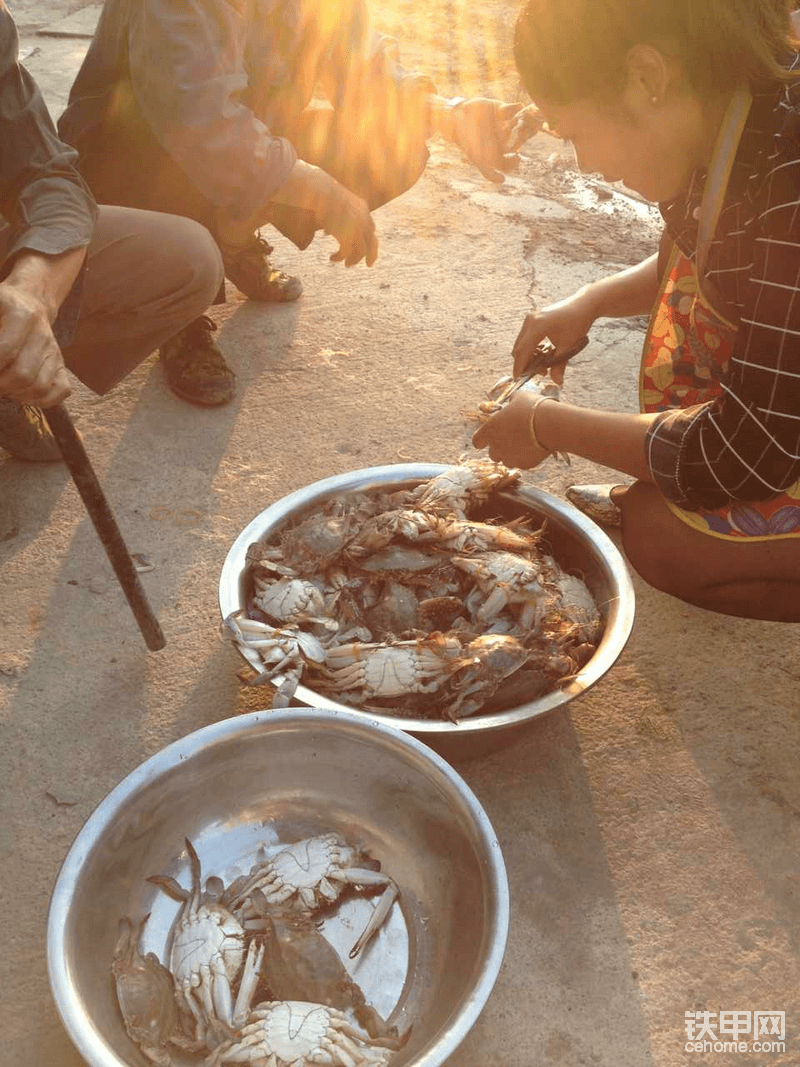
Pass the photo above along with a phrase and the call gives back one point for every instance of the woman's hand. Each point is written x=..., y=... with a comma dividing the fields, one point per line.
x=565, y=323
x=482, y=129
x=508, y=436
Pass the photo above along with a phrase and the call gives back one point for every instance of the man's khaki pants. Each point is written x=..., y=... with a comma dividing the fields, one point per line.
x=147, y=276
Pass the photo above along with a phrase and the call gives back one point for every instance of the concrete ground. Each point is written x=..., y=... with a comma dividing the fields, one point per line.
x=651, y=832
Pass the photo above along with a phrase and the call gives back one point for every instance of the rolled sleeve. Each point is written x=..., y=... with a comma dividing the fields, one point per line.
x=43, y=199
x=187, y=67
x=669, y=446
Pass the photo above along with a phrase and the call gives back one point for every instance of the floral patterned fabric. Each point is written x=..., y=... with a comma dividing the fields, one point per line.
x=685, y=357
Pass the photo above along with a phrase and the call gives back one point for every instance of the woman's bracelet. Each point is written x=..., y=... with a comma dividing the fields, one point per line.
x=532, y=423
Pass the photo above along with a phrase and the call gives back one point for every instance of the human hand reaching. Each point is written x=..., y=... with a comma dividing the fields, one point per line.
x=528, y=121
x=347, y=218
x=336, y=210
x=482, y=129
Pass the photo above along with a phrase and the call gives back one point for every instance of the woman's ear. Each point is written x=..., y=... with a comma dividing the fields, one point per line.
x=649, y=75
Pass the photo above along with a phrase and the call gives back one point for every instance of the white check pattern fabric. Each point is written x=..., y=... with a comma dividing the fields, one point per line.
x=745, y=445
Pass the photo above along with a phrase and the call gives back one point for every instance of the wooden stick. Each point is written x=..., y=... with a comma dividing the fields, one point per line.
x=96, y=505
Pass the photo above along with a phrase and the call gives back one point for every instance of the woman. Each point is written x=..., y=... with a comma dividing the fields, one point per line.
x=694, y=104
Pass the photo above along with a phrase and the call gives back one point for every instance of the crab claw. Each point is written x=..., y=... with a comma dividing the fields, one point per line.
x=362, y=877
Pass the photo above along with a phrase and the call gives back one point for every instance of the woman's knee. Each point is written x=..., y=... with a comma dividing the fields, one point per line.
x=647, y=546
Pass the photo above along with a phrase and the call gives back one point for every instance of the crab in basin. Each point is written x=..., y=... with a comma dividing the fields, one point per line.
x=206, y=955
x=292, y=600
x=502, y=579
x=146, y=996
x=576, y=603
x=464, y=486
x=297, y=962
x=487, y=661
x=297, y=1033
x=318, y=541
x=380, y=671
x=283, y=652
x=314, y=872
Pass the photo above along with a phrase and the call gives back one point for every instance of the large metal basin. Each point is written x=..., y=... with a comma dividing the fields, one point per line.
x=578, y=544
x=275, y=777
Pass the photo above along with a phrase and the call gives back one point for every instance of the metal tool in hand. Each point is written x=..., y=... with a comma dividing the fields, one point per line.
x=96, y=505
x=532, y=378
x=545, y=356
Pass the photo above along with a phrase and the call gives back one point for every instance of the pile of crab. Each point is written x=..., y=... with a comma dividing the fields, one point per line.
x=408, y=602
x=251, y=978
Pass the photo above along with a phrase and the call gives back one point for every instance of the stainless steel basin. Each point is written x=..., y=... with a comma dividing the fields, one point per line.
x=275, y=777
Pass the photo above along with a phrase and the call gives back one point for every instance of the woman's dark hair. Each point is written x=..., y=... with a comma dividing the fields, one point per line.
x=569, y=49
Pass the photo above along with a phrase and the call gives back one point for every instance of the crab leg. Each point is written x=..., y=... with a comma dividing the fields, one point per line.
x=170, y=886
x=361, y=877
x=186, y=1001
x=204, y=993
x=247, y=986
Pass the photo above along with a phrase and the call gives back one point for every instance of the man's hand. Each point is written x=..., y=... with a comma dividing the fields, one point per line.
x=482, y=129
x=528, y=121
x=31, y=365
x=338, y=212
x=346, y=217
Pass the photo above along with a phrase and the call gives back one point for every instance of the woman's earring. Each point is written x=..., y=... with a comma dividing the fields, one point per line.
x=653, y=99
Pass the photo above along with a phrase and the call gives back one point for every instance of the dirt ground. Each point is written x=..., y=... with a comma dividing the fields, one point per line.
x=651, y=832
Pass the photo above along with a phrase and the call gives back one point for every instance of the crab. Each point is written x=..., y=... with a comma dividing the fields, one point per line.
x=292, y=600
x=396, y=611
x=312, y=873
x=467, y=672
x=319, y=540
x=372, y=670
x=297, y=962
x=284, y=652
x=463, y=486
x=400, y=559
x=487, y=661
x=467, y=535
x=208, y=949
x=382, y=529
x=507, y=386
x=576, y=603
x=297, y=1033
x=504, y=578
x=146, y=996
